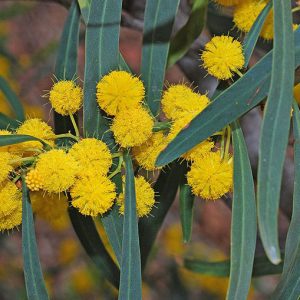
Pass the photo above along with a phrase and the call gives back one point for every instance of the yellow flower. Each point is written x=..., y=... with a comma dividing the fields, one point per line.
x=4, y=106
x=6, y=167
x=118, y=91
x=51, y=208
x=229, y=2
x=247, y=12
x=147, y=153
x=12, y=220
x=57, y=169
x=179, y=99
x=144, y=197
x=92, y=153
x=34, y=181
x=297, y=92
x=210, y=177
x=223, y=56
x=93, y=195
x=66, y=97
x=10, y=198
x=39, y=129
x=199, y=150
x=132, y=127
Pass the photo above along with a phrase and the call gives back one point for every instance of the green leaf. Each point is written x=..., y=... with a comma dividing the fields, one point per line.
x=253, y=35
x=165, y=188
x=243, y=224
x=186, y=205
x=7, y=123
x=88, y=235
x=85, y=9
x=34, y=281
x=261, y=267
x=131, y=278
x=102, y=56
x=12, y=99
x=17, y=139
x=275, y=129
x=158, y=24
x=289, y=285
x=235, y=101
x=185, y=37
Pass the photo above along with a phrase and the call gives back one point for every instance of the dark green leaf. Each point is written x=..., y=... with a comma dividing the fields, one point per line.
x=275, y=129
x=185, y=37
x=235, y=101
x=7, y=123
x=186, y=204
x=12, y=99
x=165, y=188
x=85, y=9
x=34, y=281
x=87, y=233
x=131, y=278
x=253, y=35
x=243, y=224
x=261, y=267
x=159, y=19
x=17, y=139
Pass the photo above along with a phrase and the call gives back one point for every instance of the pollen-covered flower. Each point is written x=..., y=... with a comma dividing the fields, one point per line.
x=228, y=2
x=10, y=198
x=223, y=56
x=66, y=97
x=37, y=128
x=246, y=13
x=93, y=153
x=132, y=127
x=180, y=99
x=6, y=167
x=12, y=220
x=210, y=177
x=118, y=91
x=93, y=195
x=198, y=151
x=146, y=154
x=57, y=169
x=34, y=181
x=145, y=197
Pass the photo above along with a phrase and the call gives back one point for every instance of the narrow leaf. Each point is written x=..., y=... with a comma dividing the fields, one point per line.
x=12, y=99
x=158, y=24
x=185, y=37
x=85, y=9
x=7, y=123
x=34, y=281
x=275, y=129
x=186, y=205
x=17, y=139
x=131, y=279
x=253, y=35
x=243, y=224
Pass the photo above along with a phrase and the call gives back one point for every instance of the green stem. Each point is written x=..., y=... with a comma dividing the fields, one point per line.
x=118, y=169
x=67, y=135
x=239, y=73
x=228, y=139
x=159, y=126
x=295, y=9
x=118, y=154
x=21, y=160
x=75, y=126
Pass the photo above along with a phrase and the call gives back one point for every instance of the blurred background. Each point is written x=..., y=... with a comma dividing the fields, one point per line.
x=29, y=37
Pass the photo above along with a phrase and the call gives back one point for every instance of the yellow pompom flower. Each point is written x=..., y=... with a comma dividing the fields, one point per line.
x=145, y=197
x=93, y=195
x=39, y=129
x=132, y=127
x=118, y=91
x=246, y=13
x=34, y=181
x=6, y=167
x=223, y=56
x=92, y=153
x=10, y=198
x=12, y=220
x=57, y=169
x=228, y=2
x=49, y=207
x=180, y=99
x=198, y=151
x=210, y=177
x=146, y=154
x=66, y=97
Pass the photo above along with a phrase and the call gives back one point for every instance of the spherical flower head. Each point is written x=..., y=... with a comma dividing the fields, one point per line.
x=119, y=90
x=66, y=97
x=223, y=56
x=179, y=99
x=51, y=208
x=6, y=167
x=57, y=169
x=246, y=13
x=93, y=196
x=145, y=197
x=34, y=181
x=94, y=153
x=198, y=151
x=10, y=198
x=147, y=153
x=210, y=176
x=39, y=129
x=228, y=2
x=12, y=220
x=132, y=127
